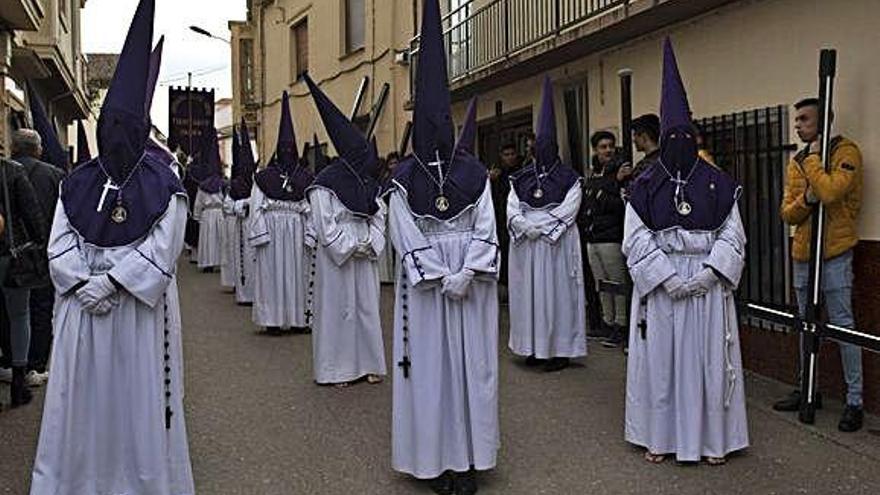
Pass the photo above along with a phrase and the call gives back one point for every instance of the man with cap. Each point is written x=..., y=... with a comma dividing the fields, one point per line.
x=349, y=220
x=113, y=419
x=442, y=223
x=685, y=248
x=208, y=209
x=547, y=307
x=281, y=232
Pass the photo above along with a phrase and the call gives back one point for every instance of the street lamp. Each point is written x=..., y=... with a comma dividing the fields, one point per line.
x=205, y=32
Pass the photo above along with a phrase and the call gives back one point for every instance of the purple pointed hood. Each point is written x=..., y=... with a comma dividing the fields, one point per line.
x=467, y=138
x=242, y=164
x=214, y=183
x=320, y=158
x=463, y=176
x=546, y=181
x=83, y=154
x=53, y=152
x=153, y=76
x=704, y=202
x=285, y=179
x=353, y=176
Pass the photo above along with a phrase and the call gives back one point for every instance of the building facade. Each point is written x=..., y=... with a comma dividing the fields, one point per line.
x=745, y=62
x=40, y=46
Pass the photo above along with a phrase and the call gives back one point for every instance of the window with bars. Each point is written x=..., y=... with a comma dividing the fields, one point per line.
x=355, y=28
x=753, y=147
x=299, y=49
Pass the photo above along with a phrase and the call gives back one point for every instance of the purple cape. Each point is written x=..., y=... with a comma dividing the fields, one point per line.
x=711, y=193
x=145, y=198
x=465, y=184
x=271, y=183
x=357, y=192
x=554, y=186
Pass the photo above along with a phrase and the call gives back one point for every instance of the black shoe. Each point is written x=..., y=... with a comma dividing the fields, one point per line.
x=852, y=419
x=273, y=330
x=301, y=330
x=466, y=483
x=792, y=402
x=557, y=364
x=20, y=392
x=614, y=341
x=533, y=361
x=209, y=269
x=443, y=484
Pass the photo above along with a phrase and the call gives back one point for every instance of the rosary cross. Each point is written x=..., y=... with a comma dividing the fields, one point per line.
x=439, y=164
x=108, y=186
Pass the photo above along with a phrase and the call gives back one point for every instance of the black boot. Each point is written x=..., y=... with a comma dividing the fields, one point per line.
x=443, y=484
x=556, y=364
x=852, y=419
x=466, y=483
x=21, y=395
x=533, y=361
x=792, y=402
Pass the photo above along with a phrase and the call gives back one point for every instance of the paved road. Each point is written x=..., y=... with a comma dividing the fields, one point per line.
x=258, y=425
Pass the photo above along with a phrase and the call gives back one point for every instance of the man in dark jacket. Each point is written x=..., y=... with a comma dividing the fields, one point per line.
x=24, y=223
x=602, y=213
x=26, y=150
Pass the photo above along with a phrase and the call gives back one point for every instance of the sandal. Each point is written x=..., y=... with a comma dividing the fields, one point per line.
x=716, y=461
x=654, y=458
x=374, y=379
x=341, y=385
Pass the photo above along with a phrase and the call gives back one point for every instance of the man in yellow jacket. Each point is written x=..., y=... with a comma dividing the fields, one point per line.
x=840, y=191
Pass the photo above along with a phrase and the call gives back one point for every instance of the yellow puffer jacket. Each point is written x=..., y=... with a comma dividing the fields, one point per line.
x=840, y=190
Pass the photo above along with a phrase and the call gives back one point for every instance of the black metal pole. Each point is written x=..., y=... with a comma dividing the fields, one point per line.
x=811, y=334
x=626, y=115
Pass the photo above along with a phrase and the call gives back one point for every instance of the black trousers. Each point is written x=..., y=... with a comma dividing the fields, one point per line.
x=42, y=303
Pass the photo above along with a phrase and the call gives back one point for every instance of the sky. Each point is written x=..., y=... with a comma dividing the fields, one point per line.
x=105, y=23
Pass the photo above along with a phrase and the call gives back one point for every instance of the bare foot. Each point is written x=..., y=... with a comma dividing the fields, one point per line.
x=716, y=461
x=654, y=458
x=374, y=379
x=341, y=385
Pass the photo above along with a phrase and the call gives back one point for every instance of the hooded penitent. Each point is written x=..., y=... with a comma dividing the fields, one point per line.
x=441, y=178
x=353, y=176
x=243, y=165
x=215, y=182
x=152, y=145
x=53, y=152
x=682, y=190
x=285, y=179
x=116, y=199
x=546, y=181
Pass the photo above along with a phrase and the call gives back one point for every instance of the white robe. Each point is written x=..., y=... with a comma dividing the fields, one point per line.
x=103, y=430
x=387, y=262
x=227, y=270
x=281, y=234
x=347, y=331
x=445, y=414
x=547, y=301
x=684, y=382
x=243, y=254
x=208, y=211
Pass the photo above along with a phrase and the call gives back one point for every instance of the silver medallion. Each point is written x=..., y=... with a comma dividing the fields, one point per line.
x=538, y=194
x=288, y=188
x=119, y=214
x=684, y=208
x=441, y=203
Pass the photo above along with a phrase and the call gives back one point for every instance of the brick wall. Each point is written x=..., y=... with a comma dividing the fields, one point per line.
x=775, y=354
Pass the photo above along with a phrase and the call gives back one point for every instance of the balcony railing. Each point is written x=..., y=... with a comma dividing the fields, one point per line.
x=503, y=27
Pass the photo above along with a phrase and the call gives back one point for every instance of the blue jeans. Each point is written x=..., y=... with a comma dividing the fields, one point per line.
x=19, y=315
x=837, y=277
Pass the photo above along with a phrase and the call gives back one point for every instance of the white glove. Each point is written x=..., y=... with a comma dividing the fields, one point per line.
x=96, y=289
x=533, y=232
x=676, y=288
x=456, y=286
x=103, y=306
x=701, y=283
x=364, y=250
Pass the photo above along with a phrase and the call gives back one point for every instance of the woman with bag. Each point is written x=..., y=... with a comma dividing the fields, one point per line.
x=22, y=247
